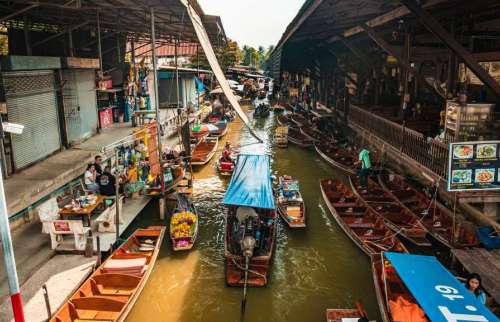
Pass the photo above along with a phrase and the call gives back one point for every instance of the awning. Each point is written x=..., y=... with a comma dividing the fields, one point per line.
x=214, y=64
x=250, y=184
x=437, y=291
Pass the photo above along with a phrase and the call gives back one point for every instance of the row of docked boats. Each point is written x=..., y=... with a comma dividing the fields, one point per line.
x=375, y=218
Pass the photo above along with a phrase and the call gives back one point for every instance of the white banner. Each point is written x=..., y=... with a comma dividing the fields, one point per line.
x=212, y=60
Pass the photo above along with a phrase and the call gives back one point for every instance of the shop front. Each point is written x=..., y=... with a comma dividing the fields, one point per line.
x=31, y=101
x=79, y=96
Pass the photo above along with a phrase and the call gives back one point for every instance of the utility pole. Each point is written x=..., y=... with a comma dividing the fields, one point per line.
x=8, y=250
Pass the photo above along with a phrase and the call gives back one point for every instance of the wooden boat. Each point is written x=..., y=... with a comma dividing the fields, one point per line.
x=184, y=224
x=397, y=218
x=197, y=136
x=226, y=167
x=283, y=120
x=315, y=135
x=291, y=206
x=279, y=108
x=338, y=315
x=250, y=230
x=341, y=159
x=365, y=228
x=112, y=290
x=262, y=110
x=280, y=136
x=297, y=138
x=204, y=151
x=299, y=120
x=222, y=129
x=435, y=217
x=214, y=118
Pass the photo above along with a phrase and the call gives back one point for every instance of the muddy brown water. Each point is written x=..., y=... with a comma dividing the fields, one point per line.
x=314, y=269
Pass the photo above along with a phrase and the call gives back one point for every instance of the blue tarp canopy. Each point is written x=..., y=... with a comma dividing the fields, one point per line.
x=437, y=291
x=251, y=183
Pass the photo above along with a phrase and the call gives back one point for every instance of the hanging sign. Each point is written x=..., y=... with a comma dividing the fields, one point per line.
x=474, y=166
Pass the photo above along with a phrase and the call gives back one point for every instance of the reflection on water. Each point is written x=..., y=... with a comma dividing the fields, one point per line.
x=314, y=269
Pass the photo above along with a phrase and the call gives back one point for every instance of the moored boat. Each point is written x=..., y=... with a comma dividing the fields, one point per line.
x=283, y=120
x=299, y=120
x=364, y=227
x=280, y=136
x=184, y=224
x=315, y=135
x=279, y=108
x=204, y=151
x=262, y=110
x=419, y=288
x=344, y=315
x=397, y=218
x=339, y=158
x=291, y=206
x=112, y=290
x=435, y=217
x=222, y=128
x=298, y=138
x=250, y=222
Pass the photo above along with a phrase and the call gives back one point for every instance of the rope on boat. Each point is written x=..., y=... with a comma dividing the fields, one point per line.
x=250, y=271
x=418, y=222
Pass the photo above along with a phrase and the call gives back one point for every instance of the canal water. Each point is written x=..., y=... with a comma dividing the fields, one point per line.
x=314, y=269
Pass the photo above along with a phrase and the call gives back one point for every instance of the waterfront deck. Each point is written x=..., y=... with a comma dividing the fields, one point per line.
x=485, y=263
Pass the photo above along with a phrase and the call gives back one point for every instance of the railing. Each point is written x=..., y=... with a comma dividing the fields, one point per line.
x=431, y=154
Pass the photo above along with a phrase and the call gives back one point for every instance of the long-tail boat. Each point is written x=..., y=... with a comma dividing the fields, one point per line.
x=250, y=222
x=296, y=137
x=342, y=315
x=203, y=152
x=283, y=119
x=291, y=206
x=299, y=120
x=112, y=290
x=435, y=217
x=365, y=228
x=184, y=224
x=314, y=134
x=339, y=158
x=222, y=129
x=397, y=218
x=419, y=288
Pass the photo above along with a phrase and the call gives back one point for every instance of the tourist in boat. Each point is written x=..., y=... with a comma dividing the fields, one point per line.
x=364, y=161
x=90, y=177
x=474, y=285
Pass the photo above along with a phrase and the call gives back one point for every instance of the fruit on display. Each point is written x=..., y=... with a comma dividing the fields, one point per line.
x=183, y=224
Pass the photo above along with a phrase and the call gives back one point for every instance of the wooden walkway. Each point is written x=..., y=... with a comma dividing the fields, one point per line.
x=485, y=263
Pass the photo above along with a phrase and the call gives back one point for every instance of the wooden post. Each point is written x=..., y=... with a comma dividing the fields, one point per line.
x=161, y=204
x=404, y=94
x=47, y=302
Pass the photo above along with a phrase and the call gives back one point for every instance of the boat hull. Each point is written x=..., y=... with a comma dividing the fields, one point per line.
x=337, y=315
x=335, y=164
x=203, y=157
x=292, y=224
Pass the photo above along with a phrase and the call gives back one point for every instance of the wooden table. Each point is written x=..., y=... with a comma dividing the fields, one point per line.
x=83, y=211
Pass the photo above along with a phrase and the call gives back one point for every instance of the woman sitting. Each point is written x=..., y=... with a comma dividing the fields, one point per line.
x=90, y=178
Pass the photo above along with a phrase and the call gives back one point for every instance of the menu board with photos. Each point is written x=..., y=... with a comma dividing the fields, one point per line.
x=474, y=166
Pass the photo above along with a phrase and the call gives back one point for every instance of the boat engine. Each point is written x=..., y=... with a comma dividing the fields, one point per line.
x=247, y=246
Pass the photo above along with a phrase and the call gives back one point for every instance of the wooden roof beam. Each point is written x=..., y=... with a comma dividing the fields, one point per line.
x=380, y=20
x=433, y=25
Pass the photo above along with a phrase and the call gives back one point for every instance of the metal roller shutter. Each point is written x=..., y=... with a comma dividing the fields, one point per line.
x=31, y=101
x=80, y=104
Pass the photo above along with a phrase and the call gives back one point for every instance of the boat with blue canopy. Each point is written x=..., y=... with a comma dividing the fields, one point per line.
x=419, y=288
x=250, y=222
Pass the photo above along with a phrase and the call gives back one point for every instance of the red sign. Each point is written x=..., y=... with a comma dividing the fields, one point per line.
x=106, y=117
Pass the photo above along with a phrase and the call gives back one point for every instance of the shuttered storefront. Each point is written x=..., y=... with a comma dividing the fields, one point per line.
x=80, y=104
x=31, y=101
